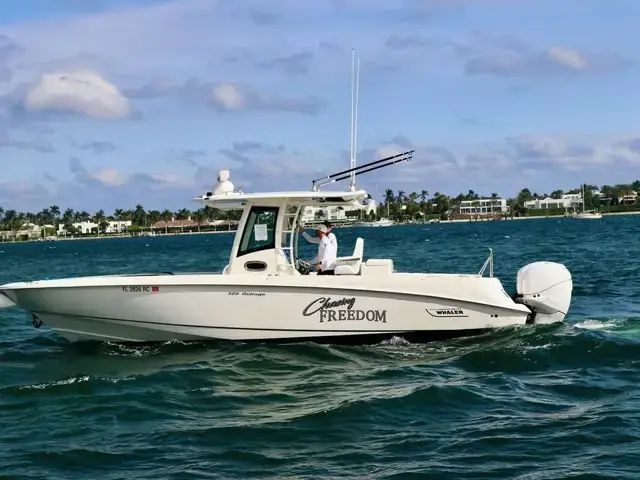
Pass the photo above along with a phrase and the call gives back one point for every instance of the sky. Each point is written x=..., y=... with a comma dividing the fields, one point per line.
x=107, y=104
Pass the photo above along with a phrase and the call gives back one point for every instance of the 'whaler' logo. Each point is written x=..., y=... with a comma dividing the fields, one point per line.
x=446, y=312
x=331, y=311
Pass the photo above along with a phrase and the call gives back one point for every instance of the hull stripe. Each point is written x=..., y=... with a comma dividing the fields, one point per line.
x=325, y=331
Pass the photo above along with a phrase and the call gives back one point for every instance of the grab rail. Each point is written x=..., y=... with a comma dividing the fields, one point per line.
x=487, y=263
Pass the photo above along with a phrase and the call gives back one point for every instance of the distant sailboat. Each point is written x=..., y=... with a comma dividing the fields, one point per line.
x=587, y=214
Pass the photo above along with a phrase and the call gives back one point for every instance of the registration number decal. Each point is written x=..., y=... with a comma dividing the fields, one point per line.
x=140, y=289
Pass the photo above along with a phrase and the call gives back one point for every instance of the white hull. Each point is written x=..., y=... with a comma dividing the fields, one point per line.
x=209, y=306
x=383, y=222
x=588, y=216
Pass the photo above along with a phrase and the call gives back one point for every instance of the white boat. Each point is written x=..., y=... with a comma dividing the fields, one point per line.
x=383, y=222
x=267, y=293
x=587, y=214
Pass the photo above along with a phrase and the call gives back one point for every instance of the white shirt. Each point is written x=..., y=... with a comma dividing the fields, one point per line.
x=327, y=254
x=311, y=239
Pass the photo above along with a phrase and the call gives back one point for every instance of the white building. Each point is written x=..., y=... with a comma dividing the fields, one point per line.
x=118, y=226
x=629, y=198
x=569, y=200
x=332, y=214
x=483, y=206
x=113, y=226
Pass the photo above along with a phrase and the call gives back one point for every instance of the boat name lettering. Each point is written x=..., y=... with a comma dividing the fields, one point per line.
x=248, y=294
x=333, y=311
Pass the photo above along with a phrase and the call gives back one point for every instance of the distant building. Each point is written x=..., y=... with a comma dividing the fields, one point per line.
x=81, y=227
x=113, y=226
x=320, y=214
x=568, y=200
x=483, y=206
x=118, y=226
x=629, y=198
x=173, y=223
x=29, y=230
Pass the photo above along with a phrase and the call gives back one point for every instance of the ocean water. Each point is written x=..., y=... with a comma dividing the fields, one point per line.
x=558, y=401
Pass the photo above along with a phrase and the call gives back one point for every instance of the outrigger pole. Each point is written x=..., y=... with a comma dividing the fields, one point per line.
x=368, y=167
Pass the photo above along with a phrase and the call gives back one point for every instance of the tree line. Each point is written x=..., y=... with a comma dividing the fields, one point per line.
x=393, y=204
x=139, y=216
x=414, y=203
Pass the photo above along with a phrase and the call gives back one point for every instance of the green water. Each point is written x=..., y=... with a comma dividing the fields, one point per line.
x=559, y=401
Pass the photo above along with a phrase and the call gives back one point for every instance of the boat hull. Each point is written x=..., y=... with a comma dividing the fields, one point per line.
x=87, y=329
x=336, y=311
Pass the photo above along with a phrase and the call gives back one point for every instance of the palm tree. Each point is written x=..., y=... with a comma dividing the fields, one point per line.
x=166, y=216
x=494, y=201
x=55, y=213
x=183, y=214
x=139, y=216
x=199, y=217
x=154, y=216
x=100, y=219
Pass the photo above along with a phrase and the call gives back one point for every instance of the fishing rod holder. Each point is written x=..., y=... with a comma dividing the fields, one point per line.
x=367, y=167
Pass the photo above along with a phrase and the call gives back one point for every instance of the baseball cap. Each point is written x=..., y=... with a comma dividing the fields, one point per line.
x=322, y=228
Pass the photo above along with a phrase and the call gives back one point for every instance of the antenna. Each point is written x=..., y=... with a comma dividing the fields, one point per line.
x=354, y=148
x=353, y=171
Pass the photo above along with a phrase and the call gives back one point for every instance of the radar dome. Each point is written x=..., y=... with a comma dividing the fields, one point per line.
x=223, y=186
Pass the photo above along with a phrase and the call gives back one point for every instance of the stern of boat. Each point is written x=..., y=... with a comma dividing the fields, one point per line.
x=546, y=289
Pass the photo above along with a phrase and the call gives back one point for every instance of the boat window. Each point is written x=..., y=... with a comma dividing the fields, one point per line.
x=259, y=233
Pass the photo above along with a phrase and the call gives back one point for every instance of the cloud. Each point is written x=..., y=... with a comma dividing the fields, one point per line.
x=82, y=92
x=263, y=18
x=75, y=166
x=41, y=146
x=188, y=156
x=13, y=192
x=8, y=48
x=98, y=147
x=505, y=55
x=261, y=165
x=227, y=97
x=110, y=177
x=504, y=166
x=295, y=64
x=113, y=180
x=397, y=42
x=543, y=152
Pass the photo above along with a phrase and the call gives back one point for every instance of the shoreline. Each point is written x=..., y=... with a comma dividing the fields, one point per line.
x=214, y=232
x=536, y=217
x=106, y=237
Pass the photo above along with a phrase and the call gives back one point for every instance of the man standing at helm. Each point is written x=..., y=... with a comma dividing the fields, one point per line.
x=330, y=235
x=327, y=248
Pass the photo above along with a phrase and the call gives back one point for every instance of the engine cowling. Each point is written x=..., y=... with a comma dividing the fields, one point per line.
x=546, y=288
